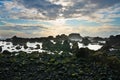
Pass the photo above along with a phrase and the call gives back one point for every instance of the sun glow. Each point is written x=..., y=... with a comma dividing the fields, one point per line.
x=60, y=21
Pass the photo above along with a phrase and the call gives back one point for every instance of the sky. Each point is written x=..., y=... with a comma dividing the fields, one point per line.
x=41, y=18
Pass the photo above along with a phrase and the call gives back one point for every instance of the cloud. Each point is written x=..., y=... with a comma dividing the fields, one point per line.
x=43, y=7
x=93, y=10
x=25, y=28
x=103, y=30
x=54, y=29
x=8, y=34
x=56, y=13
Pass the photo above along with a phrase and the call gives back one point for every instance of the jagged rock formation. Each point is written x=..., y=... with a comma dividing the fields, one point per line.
x=75, y=37
x=64, y=42
x=112, y=45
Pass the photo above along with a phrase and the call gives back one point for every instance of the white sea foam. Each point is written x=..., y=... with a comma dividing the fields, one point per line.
x=90, y=46
x=11, y=48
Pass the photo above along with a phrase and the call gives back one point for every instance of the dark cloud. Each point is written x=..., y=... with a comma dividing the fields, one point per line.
x=24, y=29
x=18, y=28
x=43, y=6
x=52, y=11
x=5, y=0
x=105, y=3
x=88, y=7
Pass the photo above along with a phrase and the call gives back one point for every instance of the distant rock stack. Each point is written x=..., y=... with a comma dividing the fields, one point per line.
x=75, y=37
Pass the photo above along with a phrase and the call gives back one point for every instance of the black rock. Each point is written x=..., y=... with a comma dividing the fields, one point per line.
x=0, y=48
